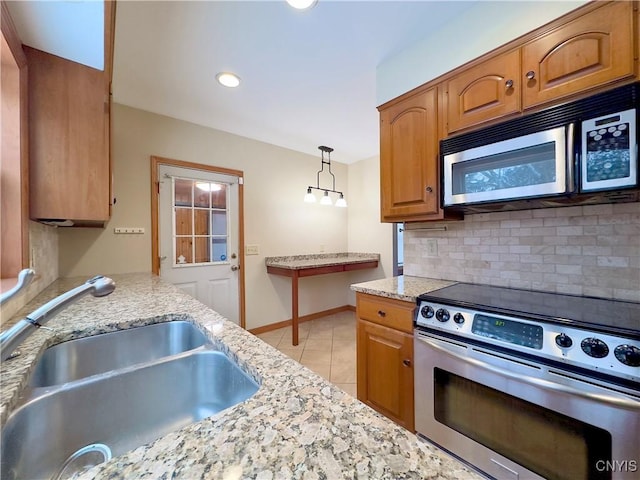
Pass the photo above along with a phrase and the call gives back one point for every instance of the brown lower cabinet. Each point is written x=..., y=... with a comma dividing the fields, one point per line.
x=385, y=357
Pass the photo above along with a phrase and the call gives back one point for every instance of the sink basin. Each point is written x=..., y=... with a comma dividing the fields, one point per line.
x=88, y=356
x=83, y=423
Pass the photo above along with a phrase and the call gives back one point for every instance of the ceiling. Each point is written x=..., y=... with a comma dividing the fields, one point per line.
x=308, y=77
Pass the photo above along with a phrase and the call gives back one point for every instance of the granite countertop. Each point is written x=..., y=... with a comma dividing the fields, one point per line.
x=299, y=262
x=404, y=287
x=297, y=425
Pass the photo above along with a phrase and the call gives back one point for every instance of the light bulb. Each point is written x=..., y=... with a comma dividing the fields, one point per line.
x=208, y=187
x=326, y=199
x=301, y=4
x=341, y=202
x=228, y=79
x=309, y=197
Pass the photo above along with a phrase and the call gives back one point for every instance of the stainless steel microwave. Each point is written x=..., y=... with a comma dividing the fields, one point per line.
x=580, y=152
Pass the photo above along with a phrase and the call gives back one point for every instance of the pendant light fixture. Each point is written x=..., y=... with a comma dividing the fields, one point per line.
x=326, y=199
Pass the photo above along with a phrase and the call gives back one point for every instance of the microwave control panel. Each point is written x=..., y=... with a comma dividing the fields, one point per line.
x=609, y=152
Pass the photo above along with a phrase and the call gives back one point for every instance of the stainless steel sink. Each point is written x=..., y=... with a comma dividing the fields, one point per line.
x=82, y=423
x=88, y=356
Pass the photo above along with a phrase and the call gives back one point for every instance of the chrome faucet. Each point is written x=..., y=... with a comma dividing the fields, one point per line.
x=25, y=277
x=10, y=339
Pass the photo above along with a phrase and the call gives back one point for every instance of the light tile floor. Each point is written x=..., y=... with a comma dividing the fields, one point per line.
x=327, y=346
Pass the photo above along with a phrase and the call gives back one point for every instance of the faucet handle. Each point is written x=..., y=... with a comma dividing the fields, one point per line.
x=25, y=277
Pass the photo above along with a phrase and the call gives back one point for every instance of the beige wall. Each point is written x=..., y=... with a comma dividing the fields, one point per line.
x=276, y=218
x=591, y=250
x=366, y=232
x=487, y=25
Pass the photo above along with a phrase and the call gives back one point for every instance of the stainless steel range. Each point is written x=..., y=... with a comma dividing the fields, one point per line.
x=530, y=385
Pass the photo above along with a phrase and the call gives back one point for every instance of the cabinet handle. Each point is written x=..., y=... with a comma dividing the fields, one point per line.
x=531, y=74
x=508, y=84
x=382, y=313
x=429, y=189
x=406, y=362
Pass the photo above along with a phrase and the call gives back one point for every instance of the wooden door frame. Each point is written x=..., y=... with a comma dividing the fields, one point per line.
x=155, y=205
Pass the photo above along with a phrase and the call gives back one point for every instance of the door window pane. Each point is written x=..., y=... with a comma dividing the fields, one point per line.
x=183, y=195
x=184, y=248
x=200, y=221
x=183, y=221
x=219, y=247
x=219, y=220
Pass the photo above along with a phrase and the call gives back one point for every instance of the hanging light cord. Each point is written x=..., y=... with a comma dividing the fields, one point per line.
x=324, y=149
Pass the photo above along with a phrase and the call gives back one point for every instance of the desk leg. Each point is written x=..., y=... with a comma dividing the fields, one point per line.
x=294, y=308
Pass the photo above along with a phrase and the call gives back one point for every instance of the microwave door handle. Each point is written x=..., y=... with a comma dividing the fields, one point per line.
x=572, y=160
x=536, y=382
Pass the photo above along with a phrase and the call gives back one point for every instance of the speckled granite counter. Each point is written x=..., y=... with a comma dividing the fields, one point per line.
x=296, y=426
x=404, y=287
x=298, y=262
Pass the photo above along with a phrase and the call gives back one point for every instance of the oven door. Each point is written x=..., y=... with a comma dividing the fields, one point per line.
x=514, y=419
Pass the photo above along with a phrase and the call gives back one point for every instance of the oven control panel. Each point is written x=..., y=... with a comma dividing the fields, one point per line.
x=595, y=351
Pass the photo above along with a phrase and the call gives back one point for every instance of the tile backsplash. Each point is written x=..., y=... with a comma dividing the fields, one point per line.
x=43, y=246
x=585, y=250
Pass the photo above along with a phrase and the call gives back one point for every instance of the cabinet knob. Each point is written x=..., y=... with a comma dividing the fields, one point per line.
x=406, y=362
x=235, y=268
x=531, y=74
x=508, y=84
x=429, y=189
x=382, y=313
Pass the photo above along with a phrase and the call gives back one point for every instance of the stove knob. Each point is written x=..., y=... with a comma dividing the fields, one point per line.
x=458, y=318
x=563, y=341
x=628, y=354
x=426, y=311
x=442, y=315
x=594, y=347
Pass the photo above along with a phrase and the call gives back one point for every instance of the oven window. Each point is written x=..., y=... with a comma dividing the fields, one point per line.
x=523, y=167
x=548, y=443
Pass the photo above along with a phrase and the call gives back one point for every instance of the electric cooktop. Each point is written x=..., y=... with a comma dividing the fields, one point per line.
x=598, y=314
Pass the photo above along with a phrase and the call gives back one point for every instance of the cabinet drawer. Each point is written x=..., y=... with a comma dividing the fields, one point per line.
x=386, y=311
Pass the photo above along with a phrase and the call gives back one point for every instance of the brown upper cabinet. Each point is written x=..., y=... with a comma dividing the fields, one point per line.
x=587, y=52
x=69, y=136
x=409, y=156
x=590, y=51
x=409, y=171
x=486, y=91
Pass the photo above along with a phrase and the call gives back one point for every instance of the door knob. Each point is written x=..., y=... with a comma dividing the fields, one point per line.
x=235, y=267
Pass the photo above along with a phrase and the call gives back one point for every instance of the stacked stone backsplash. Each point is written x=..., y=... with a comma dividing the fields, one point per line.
x=587, y=250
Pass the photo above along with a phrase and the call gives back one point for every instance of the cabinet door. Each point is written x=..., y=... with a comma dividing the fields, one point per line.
x=385, y=372
x=68, y=139
x=409, y=157
x=486, y=91
x=590, y=51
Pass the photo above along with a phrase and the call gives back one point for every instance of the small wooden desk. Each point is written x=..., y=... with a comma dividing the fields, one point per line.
x=298, y=266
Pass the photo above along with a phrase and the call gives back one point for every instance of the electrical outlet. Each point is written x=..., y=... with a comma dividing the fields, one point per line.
x=432, y=247
x=252, y=250
x=136, y=230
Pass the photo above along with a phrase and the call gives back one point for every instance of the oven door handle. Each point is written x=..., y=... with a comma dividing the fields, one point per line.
x=537, y=382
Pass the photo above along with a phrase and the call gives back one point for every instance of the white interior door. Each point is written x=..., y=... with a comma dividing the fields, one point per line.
x=198, y=235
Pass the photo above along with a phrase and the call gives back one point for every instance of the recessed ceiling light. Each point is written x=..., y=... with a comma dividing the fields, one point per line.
x=302, y=4
x=228, y=79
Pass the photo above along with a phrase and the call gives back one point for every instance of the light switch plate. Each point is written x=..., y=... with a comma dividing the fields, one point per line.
x=252, y=250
